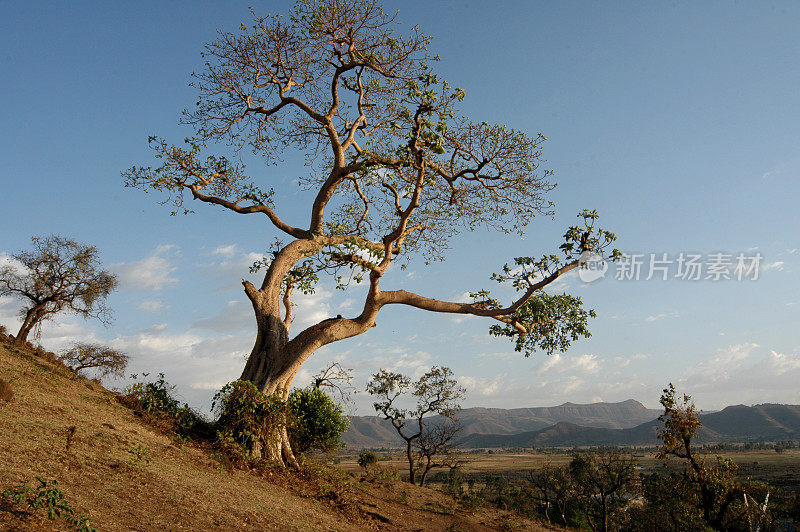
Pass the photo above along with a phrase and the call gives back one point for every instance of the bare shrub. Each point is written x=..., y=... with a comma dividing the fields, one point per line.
x=105, y=360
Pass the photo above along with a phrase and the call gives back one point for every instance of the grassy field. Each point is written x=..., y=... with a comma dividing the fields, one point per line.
x=778, y=469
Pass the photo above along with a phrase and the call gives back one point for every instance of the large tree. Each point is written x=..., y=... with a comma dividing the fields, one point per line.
x=395, y=172
x=59, y=275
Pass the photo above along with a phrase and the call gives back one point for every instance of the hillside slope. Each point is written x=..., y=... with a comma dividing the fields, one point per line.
x=181, y=487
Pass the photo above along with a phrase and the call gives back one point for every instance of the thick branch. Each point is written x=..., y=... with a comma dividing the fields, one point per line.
x=405, y=297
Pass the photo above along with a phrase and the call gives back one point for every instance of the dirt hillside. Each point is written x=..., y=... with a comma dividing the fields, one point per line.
x=126, y=475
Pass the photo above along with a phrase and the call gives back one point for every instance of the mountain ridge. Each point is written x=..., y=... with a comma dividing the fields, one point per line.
x=574, y=425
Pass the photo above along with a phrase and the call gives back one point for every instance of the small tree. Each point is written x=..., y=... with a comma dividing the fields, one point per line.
x=84, y=355
x=723, y=500
x=339, y=382
x=554, y=487
x=367, y=459
x=603, y=479
x=435, y=447
x=436, y=392
x=58, y=275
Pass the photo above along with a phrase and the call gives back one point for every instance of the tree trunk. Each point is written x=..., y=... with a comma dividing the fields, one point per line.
x=275, y=360
x=605, y=513
x=425, y=472
x=271, y=367
x=27, y=325
x=411, y=470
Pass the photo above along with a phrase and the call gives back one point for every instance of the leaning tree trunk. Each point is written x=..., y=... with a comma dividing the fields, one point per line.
x=275, y=360
x=31, y=318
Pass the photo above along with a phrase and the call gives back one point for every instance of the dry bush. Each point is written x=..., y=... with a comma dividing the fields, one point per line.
x=105, y=360
x=6, y=393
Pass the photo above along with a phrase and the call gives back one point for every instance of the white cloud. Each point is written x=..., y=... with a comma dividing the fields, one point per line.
x=151, y=305
x=502, y=356
x=311, y=309
x=153, y=272
x=776, y=265
x=735, y=375
x=225, y=251
x=484, y=386
x=395, y=359
x=228, y=274
x=650, y=319
x=557, y=363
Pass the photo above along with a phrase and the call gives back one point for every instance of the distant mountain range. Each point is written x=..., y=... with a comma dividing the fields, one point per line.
x=575, y=425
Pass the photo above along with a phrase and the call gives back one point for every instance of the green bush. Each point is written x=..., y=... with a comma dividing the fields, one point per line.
x=245, y=419
x=377, y=472
x=471, y=502
x=48, y=495
x=155, y=401
x=367, y=459
x=315, y=421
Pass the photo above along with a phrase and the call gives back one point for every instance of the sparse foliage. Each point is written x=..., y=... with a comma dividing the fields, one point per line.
x=105, y=360
x=139, y=456
x=396, y=171
x=603, y=479
x=338, y=381
x=48, y=495
x=435, y=393
x=155, y=401
x=57, y=275
x=723, y=501
x=553, y=486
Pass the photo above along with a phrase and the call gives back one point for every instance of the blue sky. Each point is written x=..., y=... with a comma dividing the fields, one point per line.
x=679, y=123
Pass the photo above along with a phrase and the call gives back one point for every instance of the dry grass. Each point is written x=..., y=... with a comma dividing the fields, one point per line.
x=126, y=475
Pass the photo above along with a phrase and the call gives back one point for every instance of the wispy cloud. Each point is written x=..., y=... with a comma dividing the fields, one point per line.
x=153, y=272
x=151, y=305
x=234, y=316
x=484, y=386
x=559, y=363
x=736, y=375
x=502, y=356
x=776, y=265
x=650, y=319
x=225, y=251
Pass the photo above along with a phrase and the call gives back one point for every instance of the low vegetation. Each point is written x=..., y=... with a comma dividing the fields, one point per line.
x=155, y=401
x=316, y=422
x=47, y=495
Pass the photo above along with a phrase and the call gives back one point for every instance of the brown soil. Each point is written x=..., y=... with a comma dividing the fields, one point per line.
x=182, y=487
